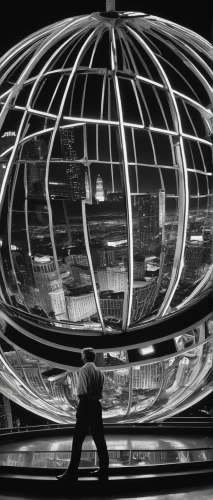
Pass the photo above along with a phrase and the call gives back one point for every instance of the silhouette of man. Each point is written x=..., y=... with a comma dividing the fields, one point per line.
x=88, y=416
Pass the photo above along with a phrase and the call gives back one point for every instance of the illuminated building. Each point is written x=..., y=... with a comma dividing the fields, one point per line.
x=162, y=200
x=75, y=172
x=112, y=307
x=143, y=298
x=145, y=377
x=148, y=212
x=50, y=286
x=80, y=259
x=79, y=268
x=121, y=377
x=87, y=186
x=35, y=153
x=139, y=270
x=124, y=143
x=193, y=260
x=112, y=278
x=7, y=141
x=99, y=194
x=207, y=245
x=81, y=306
x=106, y=257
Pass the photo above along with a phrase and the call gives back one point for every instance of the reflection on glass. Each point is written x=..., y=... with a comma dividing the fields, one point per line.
x=138, y=393
x=148, y=235
x=106, y=222
x=146, y=382
x=198, y=249
x=115, y=358
x=116, y=393
x=117, y=458
x=70, y=191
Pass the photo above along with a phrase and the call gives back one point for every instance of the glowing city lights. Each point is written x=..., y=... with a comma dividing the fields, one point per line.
x=106, y=207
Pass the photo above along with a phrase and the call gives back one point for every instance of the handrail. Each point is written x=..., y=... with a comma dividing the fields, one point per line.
x=171, y=420
x=111, y=450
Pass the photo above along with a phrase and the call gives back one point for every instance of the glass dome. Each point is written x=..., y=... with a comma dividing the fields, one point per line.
x=106, y=125
x=106, y=171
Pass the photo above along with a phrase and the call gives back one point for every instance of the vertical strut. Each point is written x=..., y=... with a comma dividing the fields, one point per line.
x=110, y=5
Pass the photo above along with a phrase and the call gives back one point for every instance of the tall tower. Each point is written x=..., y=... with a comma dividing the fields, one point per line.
x=87, y=186
x=50, y=286
x=99, y=195
x=192, y=261
x=35, y=152
x=149, y=221
x=162, y=198
x=75, y=172
x=7, y=140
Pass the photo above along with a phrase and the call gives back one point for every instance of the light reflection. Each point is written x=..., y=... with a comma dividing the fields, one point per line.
x=92, y=137
x=117, y=458
x=108, y=223
x=131, y=393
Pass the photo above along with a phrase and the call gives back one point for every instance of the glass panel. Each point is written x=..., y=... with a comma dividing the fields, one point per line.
x=106, y=222
x=198, y=249
x=148, y=233
x=146, y=383
x=116, y=394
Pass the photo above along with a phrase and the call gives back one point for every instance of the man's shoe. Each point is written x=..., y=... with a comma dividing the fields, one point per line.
x=101, y=474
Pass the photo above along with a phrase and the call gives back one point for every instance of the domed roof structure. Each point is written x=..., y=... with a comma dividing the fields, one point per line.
x=106, y=127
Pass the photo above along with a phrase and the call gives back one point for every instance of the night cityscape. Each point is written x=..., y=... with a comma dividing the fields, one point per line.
x=88, y=214
x=106, y=237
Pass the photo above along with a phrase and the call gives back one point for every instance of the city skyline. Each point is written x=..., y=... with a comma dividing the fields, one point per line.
x=110, y=178
x=70, y=294
x=106, y=124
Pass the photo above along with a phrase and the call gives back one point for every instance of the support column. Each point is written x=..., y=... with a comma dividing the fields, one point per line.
x=110, y=5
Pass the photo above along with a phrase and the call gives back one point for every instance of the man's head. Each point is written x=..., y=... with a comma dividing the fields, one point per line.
x=88, y=355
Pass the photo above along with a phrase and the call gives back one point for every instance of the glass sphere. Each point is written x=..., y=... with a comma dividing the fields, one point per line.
x=106, y=171
x=106, y=125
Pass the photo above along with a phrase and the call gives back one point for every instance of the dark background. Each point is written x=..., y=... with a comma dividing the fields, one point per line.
x=21, y=18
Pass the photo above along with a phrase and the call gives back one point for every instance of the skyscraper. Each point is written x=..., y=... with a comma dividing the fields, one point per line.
x=112, y=278
x=35, y=153
x=151, y=213
x=99, y=195
x=162, y=199
x=146, y=376
x=81, y=307
x=75, y=172
x=50, y=286
x=106, y=257
x=112, y=307
x=7, y=140
x=192, y=261
x=87, y=186
x=143, y=298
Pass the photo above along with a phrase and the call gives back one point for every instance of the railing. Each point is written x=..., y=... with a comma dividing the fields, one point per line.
x=172, y=421
x=117, y=458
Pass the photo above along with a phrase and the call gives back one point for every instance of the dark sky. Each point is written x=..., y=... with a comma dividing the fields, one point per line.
x=20, y=18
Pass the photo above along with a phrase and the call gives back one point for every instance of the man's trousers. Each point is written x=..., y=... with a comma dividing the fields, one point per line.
x=88, y=416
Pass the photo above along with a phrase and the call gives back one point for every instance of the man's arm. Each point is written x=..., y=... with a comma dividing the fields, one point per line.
x=82, y=382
